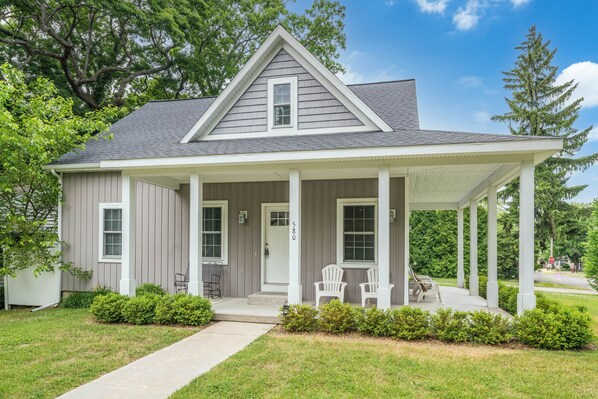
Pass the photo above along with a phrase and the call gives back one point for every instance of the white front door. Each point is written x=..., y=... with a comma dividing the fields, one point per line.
x=275, y=247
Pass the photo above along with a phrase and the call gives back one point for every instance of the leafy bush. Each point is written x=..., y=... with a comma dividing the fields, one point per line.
x=300, y=318
x=184, y=309
x=507, y=298
x=558, y=327
x=109, y=308
x=483, y=286
x=149, y=288
x=451, y=326
x=409, y=323
x=373, y=321
x=79, y=300
x=337, y=317
x=141, y=309
x=490, y=329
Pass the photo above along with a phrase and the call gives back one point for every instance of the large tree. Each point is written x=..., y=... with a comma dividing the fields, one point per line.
x=538, y=106
x=104, y=51
x=36, y=128
x=591, y=254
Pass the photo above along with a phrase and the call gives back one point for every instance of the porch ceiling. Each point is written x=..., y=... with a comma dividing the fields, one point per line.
x=443, y=186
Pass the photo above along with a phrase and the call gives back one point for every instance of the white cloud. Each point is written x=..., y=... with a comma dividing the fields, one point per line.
x=586, y=75
x=432, y=6
x=469, y=82
x=482, y=116
x=354, y=54
x=467, y=17
x=390, y=3
x=350, y=77
x=517, y=3
x=593, y=135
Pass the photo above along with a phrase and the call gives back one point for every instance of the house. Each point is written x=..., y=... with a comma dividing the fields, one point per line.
x=287, y=171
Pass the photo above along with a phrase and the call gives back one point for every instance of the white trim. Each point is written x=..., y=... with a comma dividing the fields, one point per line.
x=511, y=148
x=195, y=285
x=295, y=293
x=433, y=206
x=285, y=129
x=497, y=178
x=284, y=132
x=340, y=203
x=101, y=257
x=280, y=38
x=407, y=232
x=223, y=204
x=263, y=223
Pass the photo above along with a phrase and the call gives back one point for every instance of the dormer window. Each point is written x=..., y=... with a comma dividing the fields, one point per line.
x=282, y=104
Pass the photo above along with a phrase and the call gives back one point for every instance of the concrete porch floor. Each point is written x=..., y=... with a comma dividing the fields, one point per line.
x=237, y=309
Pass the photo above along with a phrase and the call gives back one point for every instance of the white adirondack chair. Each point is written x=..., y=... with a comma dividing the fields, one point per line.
x=332, y=284
x=370, y=289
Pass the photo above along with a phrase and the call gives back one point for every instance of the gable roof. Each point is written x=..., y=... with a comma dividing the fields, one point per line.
x=281, y=39
x=155, y=130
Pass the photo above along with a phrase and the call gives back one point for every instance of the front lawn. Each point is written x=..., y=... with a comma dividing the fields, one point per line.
x=354, y=366
x=47, y=353
x=310, y=366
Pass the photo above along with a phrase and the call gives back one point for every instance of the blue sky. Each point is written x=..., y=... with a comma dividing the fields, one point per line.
x=456, y=50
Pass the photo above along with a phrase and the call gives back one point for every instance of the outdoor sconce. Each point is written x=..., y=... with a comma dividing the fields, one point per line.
x=242, y=217
x=392, y=215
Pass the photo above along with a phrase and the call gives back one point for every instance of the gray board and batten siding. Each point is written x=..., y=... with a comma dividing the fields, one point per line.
x=317, y=107
x=162, y=231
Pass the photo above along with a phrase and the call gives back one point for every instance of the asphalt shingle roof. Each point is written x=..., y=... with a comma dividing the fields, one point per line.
x=154, y=130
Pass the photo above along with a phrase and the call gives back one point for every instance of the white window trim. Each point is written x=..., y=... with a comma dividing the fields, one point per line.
x=286, y=129
x=224, y=225
x=101, y=257
x=340, y=203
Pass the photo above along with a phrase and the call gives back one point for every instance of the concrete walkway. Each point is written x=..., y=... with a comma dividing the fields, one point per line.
x=163, y=372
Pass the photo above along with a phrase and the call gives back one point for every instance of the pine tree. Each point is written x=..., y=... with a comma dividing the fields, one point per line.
x=540, y=107
x=591, y=255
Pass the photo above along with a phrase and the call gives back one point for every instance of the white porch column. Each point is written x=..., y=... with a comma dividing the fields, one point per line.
x=384, y=237
x=127, y=268
x=460, y=262
x=195, y=233
x=295, y=295
x=526, y=298
x=492, y=287
x=407, y=250
x=473, y=248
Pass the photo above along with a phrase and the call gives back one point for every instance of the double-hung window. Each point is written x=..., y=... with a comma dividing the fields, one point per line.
x=357, y=230
x=282, y=103
x=110, y=232
x=214, y=231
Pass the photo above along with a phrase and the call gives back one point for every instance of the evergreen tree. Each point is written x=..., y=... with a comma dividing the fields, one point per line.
x=540, y=107
x=591, y=255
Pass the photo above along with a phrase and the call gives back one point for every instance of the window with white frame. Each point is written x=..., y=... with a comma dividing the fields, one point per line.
x=110, y=232
x=356, y=232
x=282, y=103
x=214, y=231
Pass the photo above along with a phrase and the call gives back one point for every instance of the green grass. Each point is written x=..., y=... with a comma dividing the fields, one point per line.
x=320, y=366
x=47, y=353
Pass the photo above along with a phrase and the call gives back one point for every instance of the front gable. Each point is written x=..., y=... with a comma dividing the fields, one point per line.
x=319, y=102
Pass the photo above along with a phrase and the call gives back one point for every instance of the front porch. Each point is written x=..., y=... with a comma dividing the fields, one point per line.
x=237, y=309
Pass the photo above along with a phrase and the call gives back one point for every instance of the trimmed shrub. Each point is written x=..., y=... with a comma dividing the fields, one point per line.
x=373, y=321
x=300, y=318
x=409, y=323
x=507, y=298
x=80, y=300
x=149, y=288
x=451, y=326
x=184, y=309
x=109, y=308
x=558, y=328
x=337, y=317
x=141, y=309
x=483, y=286
x=490, y=329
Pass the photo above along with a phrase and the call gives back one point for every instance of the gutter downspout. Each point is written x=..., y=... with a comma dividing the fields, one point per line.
x=59, y=228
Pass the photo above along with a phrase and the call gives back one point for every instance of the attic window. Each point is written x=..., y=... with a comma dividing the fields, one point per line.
x=282, y=103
